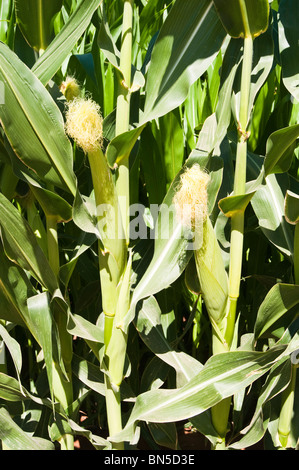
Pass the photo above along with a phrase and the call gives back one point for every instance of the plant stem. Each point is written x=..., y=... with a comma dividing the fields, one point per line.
x=63, y=389
x=296, y=253
x=288, y=396
x=220, y=412
x=114, y=415
x=237, y=220
x=286, y=413
x=123, y=112
x=112, y=252
x=115, y=339
x=112, y=263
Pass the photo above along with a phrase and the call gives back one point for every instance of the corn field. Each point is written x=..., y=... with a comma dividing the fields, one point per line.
x=149, y=224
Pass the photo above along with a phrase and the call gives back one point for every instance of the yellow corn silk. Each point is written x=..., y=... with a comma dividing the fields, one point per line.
x=70, y=88
x=243, y=18
x=84, y=123
x=191, y=199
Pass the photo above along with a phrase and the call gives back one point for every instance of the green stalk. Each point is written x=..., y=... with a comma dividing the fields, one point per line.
x=288, y=396
x=115, y=338
x=296, y=253
x=114, y=415
x=286, y=413
x=123, y=111
x=112, y=264
x=220, y=412
x=112, y=252
x=63, y=390
x=237, y=220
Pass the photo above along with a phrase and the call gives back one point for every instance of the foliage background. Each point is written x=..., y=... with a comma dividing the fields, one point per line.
x=186, y=89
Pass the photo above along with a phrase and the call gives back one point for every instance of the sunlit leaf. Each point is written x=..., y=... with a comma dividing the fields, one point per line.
x=34, y=124
x=243, y=18
x=188, y=43
x=35, y=19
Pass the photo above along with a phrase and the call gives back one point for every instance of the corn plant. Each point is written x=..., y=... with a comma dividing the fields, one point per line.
x=149, y=208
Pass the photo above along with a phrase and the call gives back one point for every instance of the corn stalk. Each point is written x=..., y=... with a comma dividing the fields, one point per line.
x=115, y=337
x=239, y=18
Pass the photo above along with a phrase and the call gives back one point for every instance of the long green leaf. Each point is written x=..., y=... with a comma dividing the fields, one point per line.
x=278, y=157
x=288, y=40
x=280, y=299
x=148, y=323
x=292, y=207
x=277, y=380
x=171, y=254
x=15, y=288
x=33, y=123
x=187, y=44
x=51, y=60
x=10, y=389
x=16, y=439
x=34, y=18
x=21, y=245
x=268, y=205
x=222, y=376
x=41, y=322
x=13, y=347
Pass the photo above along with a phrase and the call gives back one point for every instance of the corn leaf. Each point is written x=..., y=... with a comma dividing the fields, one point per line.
x=243, y=18
x=292, y=207
x=15, y=288
x=52, y=204
x=6, y=8
x=268, y=205
x=35, y=20
x=288, y=41
x=16, y=439
x=121, y=146
x=187, y=44
x=21, y=246
x=148, y=323
x=13, y=347
x=279, y=300
x=279, y=149
x=277, y=380
x=222, y=376
x=50, y=61
x=33, y=123
x=170, y=257
x=10, y=389
x=42, y=329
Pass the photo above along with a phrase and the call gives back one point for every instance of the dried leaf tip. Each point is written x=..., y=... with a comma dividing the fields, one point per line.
x=191, y=199
x=70, y=88
x=84, y=124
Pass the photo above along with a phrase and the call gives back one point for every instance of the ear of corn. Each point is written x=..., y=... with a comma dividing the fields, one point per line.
x=212, y=274
x=191, y=202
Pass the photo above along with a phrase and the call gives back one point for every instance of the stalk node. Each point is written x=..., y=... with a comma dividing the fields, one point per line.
x=243, y=134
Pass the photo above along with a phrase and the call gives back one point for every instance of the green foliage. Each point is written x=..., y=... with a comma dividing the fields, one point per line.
x=164, y=360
